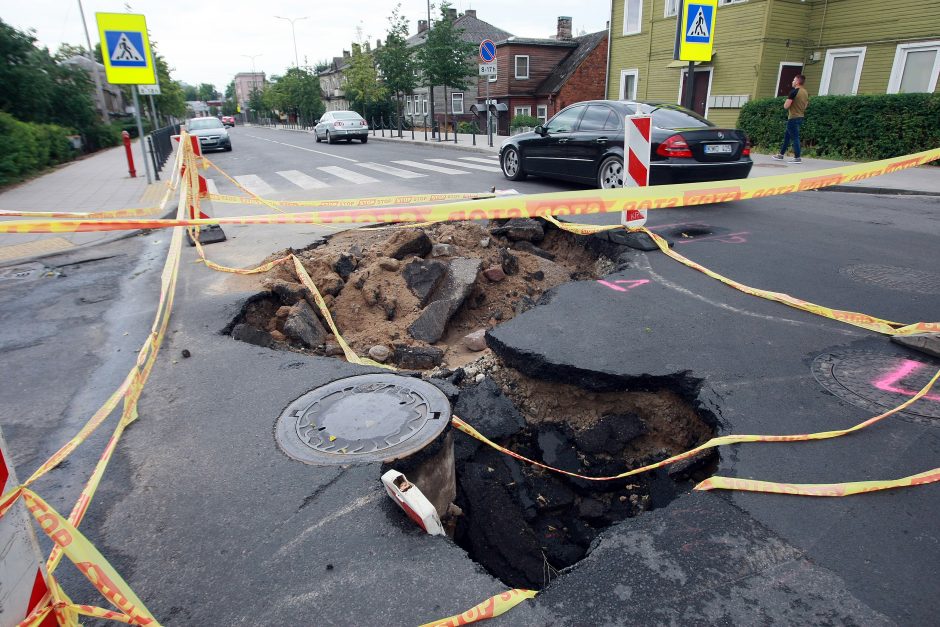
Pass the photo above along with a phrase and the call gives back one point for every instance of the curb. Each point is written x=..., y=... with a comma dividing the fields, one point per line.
x=883, y=191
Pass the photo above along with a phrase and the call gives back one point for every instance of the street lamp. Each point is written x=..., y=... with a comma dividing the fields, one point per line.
x=293, y=34
x=252, y=57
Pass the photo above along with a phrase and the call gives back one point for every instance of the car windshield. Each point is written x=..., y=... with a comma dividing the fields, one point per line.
x=672, y=116
x=347, y=115
x=204, y=123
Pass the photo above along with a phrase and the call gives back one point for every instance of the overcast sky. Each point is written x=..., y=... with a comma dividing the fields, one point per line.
x=204, y=41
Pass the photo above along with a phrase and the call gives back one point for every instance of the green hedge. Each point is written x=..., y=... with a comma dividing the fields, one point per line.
x=522, y=121
x=855, y=128
x=26, y=147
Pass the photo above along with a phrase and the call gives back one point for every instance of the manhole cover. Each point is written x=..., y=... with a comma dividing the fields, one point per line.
x=25, y=272
x=373, y=417
x=878, y=382
x=895, y=278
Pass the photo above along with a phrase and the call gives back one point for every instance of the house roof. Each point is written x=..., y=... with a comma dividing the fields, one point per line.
x=474, y=29
x=565, y=69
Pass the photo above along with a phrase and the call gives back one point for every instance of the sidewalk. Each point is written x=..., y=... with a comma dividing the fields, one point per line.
x=99, y=182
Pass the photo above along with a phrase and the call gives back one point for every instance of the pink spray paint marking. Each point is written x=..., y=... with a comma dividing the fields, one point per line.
x=888, y=383
x=629, y=283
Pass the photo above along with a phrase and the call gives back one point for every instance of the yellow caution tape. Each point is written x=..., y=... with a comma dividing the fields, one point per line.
x=379, y=201
x=518, y=206
x=491, y=608
x=719, y=441
x=817, y=489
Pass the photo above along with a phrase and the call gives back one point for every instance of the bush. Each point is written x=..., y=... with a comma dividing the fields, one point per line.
x=858, y=128
x=101, y=136
x=26, y=148
x=468, y=128
x=521, y=121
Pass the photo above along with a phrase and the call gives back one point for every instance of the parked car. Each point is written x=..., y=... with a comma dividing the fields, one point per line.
x=211, y=132
x=336, y=125
x=584, y=143
x=228, y=120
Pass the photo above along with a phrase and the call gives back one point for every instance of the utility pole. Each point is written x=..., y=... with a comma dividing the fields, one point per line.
x=293, y=34
x=430, y=88
x=91, y=55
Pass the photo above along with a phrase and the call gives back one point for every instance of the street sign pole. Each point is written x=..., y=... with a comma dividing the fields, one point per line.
x=140, y=134
x=690, y=86
x=489, y=125
x=488, y=56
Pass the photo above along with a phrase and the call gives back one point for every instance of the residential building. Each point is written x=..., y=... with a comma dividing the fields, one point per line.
x=245, y=83
x=841, y=46
x=333, y=83
x=539, y=77
x=456, y=102
x=112, y=97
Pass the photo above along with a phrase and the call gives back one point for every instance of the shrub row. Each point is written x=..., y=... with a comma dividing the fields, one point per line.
x=26, y=147
x=856, y=128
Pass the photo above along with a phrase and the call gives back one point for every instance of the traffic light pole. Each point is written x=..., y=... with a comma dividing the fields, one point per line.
x=140, y=134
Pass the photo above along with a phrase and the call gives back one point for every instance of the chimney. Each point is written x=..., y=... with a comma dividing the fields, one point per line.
x=564, y=28
x=378, y=44
x=357, y=49
x=470, y=13
x=368, y=46
x=345, y=54
x=422, y=26
x=452, y=14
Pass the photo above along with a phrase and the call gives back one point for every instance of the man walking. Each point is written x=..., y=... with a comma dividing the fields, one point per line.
x=795, y=105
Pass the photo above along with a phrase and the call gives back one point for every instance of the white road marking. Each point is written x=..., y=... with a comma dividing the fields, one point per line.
x=301, y=180
x=387, y=169
x=254, y=184
x=211, y=186
x=485, y=168
x=348, y=175
x=488, y=161
x=319, y=152
x=432, y=168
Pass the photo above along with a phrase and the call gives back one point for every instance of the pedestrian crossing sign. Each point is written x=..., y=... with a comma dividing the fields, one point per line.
x=125, y=49
x=695, y=30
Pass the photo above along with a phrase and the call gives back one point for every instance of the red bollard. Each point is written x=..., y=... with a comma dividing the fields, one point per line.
x=130, y=158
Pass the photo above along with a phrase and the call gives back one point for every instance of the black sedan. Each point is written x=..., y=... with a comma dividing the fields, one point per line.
x=584, y=143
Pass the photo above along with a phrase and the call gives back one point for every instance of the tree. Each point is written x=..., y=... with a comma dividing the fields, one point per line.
x=190, y=93
x=208, y=92
x=395, y=59
x=362, y=80
x=445, y=58
x=172, y=100
x=298, y=93
x=229, y=106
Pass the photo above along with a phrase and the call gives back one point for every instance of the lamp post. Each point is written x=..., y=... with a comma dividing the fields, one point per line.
x=254, y=76
x=293, y=34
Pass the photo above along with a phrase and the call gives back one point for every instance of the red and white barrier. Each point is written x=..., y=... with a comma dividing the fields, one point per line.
x=636, y=162
x=22, y=573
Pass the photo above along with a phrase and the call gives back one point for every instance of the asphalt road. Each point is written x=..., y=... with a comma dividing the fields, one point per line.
x=211, y=524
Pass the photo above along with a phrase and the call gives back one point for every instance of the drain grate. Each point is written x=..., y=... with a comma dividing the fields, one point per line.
x=895, y=278
x=878, y=382
x=367, y=418
x=25, y=272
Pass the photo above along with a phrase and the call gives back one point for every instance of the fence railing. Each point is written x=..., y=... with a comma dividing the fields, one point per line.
x=161, y=146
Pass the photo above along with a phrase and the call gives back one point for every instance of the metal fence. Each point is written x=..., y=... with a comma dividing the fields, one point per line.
x=161, y=146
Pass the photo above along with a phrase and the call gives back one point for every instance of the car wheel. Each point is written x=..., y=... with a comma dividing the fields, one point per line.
x=329, y=138
x=316, y=136
x=228, y=148
x=364, y=139
x=610, y=174
x=512, y=166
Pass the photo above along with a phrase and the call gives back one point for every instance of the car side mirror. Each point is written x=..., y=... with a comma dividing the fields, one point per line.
x=541, y=130
x=317, y=121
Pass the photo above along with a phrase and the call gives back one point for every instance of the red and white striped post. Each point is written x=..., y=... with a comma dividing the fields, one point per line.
x=22, y=570
x=636, y=162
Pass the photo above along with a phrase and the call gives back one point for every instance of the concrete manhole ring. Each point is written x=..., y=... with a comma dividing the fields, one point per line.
x=894, y=278
x=878, y=382
x=367, y=418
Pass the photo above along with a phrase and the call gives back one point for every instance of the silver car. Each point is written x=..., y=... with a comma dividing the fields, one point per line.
x=211, y=132
x=336, y=125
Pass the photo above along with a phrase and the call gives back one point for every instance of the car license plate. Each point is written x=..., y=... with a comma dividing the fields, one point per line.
x=718, y=149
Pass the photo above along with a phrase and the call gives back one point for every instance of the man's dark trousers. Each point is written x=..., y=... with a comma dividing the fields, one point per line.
x=793, y=133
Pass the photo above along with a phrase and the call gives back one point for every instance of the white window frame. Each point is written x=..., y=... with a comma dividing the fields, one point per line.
x=724, y=2
x=424, y=105
x=408, y=108
x=541, y=112
x=522, y=110
x=516, y=65
x=834, y=53
x=639, y=17
x=900, y=60
x=453, y=102
x=672, y=8
x=635, y=72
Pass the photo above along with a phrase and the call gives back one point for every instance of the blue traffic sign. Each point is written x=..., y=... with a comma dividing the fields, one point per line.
x=698, y=24
x=487, y=51
x=125, y=48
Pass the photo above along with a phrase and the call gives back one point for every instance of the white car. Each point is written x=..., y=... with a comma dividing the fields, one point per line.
x=336, y=125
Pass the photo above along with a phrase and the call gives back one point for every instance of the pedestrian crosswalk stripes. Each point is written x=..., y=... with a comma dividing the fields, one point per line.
x=255, y=184
x=326, y=176
x=432, y=168
x=387, y=169
x=485, y=168
x=348, y=175
x=301, y=180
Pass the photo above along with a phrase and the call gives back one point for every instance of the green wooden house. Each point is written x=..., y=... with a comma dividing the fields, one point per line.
x=841, y=46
